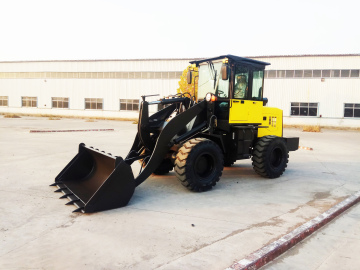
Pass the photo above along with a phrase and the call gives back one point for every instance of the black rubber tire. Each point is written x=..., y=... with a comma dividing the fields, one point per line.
x=270, y=156
x=199, y=164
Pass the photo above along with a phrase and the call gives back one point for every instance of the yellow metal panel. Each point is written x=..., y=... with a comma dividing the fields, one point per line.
x=245, y=112
x=272, y=120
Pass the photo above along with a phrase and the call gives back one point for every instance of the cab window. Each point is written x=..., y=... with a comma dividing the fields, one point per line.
x=241, y=87
x=257, y=84
x=210, y=81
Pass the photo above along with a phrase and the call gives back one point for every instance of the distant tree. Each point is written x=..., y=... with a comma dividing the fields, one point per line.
x=184, y=87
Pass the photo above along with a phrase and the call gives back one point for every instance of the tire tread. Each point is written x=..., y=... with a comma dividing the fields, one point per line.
x=181, y=165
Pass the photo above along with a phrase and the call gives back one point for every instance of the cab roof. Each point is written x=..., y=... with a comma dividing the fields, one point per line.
x=236, y=59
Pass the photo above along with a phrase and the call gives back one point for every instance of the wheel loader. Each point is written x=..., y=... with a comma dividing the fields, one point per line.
x=228, y=120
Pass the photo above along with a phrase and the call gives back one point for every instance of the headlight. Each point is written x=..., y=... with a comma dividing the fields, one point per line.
x=208, y=97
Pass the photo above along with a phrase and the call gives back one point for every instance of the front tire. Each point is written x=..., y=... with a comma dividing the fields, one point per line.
x=270, y=156
x=199, y=164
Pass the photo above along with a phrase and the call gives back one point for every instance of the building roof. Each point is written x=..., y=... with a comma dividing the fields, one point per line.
x=188, y=59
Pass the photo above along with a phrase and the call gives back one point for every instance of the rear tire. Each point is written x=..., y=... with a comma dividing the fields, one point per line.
x=199, y=164
x=270, y=156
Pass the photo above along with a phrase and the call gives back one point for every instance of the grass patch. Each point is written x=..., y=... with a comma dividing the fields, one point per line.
x=292, y=126
x=312, y=128
x=326, y=127
x=11, y=115
x=44, y=115
x=107, y=118
x=342, y=128
x=54, y=118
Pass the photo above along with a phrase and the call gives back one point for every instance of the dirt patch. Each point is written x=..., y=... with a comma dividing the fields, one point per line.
x=70, y=222
x=11, y=115
x=275, y=221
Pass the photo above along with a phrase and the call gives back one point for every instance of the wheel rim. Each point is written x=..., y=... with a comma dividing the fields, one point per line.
x=204, y=165
x=276, y=157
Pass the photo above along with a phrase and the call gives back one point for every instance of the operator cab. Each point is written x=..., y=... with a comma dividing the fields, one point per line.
x=244, y=78
x=237, y=84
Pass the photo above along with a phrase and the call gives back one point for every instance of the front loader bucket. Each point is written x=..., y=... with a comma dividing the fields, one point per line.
x=96, y=181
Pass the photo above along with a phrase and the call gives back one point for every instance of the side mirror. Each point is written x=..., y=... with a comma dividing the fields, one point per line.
x=265, y=101
x=189, y=76
x=224, y=72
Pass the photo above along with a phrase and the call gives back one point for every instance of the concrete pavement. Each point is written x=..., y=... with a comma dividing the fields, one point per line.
x=336, y=246
x=164, y=226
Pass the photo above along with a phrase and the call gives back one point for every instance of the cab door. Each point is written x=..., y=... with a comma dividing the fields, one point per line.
x=246, y=104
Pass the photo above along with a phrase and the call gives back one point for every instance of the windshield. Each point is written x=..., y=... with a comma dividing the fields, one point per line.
x=210, y=81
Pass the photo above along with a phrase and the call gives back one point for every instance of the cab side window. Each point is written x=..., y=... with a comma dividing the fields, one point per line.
x=257, y=84
x=241, y=86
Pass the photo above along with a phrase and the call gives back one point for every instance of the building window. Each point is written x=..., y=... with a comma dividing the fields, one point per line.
x=165, y=75
x=60, y=102
x=290, y=73
x=299, y=73
x=124, y=75
x=157, y=75
x=147, y=75
x=172, y=75
x=4, y=101
x=178, y=74
x=308, y=73
x=304, y=109
x=93, y=103
x=335, y=73
x=271, y=73
x=281, y=73
x=352, y=110
x=325, y=73
x=345, y=73
x=354, y=73
x=29, y=101
x=129, y=104
x=316, y=73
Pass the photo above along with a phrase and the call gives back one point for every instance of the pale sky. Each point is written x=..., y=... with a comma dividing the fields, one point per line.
x=114, y=29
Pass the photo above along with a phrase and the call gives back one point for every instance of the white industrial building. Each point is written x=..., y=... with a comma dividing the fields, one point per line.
x=310, y=89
